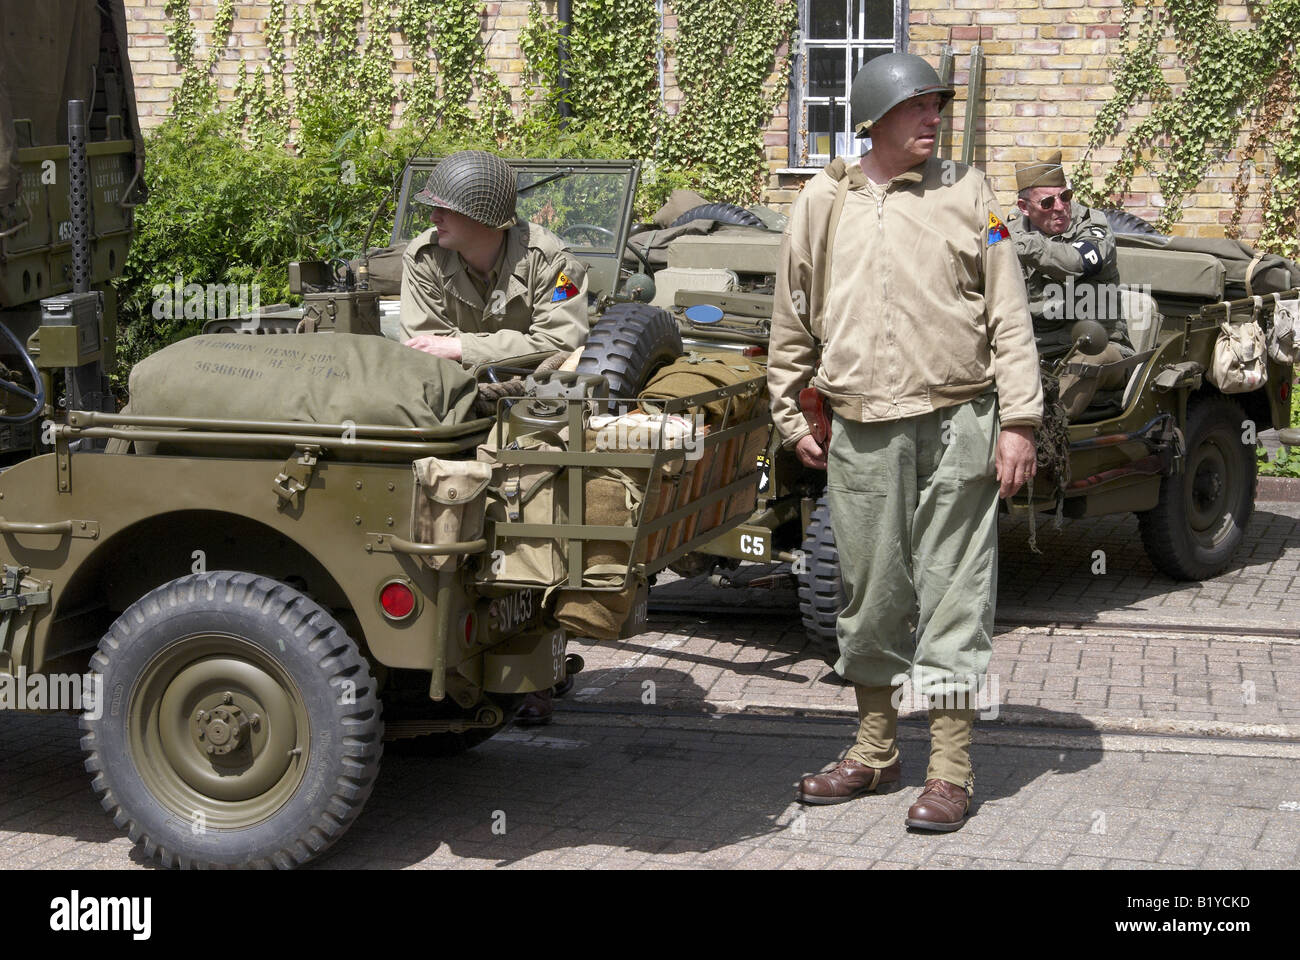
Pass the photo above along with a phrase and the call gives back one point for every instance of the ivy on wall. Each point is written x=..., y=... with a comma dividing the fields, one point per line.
x=725, y=54
x=342, y=78
x=1241, y=91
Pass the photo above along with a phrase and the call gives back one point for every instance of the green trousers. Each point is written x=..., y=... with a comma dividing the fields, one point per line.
x=914, y=508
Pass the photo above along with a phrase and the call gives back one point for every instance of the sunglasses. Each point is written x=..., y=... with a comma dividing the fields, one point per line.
x=1065, y=196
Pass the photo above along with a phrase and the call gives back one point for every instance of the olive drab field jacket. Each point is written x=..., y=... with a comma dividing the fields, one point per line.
x=1057, y=268
x=921, y=306
x=538, y=302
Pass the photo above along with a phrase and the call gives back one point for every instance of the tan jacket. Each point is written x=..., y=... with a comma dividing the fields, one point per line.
x=526, y=310
x=922, y=311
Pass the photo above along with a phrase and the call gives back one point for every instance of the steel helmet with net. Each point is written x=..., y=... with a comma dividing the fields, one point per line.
x=476, y=184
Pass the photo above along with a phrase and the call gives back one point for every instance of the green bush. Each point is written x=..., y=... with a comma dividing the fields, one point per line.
x=1287, y=461
x=223, y=211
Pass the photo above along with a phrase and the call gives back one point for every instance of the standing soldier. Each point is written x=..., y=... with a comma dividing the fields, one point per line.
x=1067, y=252
x=900, y=271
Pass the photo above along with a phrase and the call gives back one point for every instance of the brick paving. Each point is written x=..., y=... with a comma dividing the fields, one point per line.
x=1117, y=743
x=605, y=790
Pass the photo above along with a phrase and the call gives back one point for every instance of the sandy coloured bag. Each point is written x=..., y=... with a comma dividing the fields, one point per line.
x=1284, y=332
x=1239, y=361
x=611, y=498
x=698, y=372
x=448, y=504
x=523, y=493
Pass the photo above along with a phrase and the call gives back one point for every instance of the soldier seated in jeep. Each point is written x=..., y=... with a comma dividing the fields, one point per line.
x=480, y=286
x=1067, y=252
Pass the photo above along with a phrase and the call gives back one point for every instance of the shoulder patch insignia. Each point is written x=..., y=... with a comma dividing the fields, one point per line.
x=1098, y=231
x=564, y=289
x=997, y=229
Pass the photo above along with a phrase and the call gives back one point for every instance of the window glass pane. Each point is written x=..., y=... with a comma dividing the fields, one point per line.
x=862, y=54
x=826, y=19
x=820, y=138
x=826, y=72
x=873, y=19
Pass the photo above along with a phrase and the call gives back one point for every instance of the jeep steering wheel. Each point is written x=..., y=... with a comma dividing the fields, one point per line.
x=8, y=386
x=592, y=231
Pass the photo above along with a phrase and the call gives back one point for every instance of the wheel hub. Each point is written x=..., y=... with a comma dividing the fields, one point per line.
x=226, y=728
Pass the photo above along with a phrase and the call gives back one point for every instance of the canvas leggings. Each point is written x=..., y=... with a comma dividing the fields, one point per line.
x=914, y=504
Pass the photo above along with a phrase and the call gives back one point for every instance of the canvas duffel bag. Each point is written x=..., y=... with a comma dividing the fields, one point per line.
x=611, y=497
x=698, y=372
x=524, y=493
x=310, y=377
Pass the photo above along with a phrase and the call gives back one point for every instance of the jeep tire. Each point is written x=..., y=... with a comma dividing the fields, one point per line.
x=239, y=725
x=1195, y=529
x=628, y=344
x=821, y=595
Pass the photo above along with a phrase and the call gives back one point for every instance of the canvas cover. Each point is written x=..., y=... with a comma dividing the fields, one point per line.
x=1170, y=273
x=310, y=377
x=1272, y=274
x=701, y=371
x=51, y=53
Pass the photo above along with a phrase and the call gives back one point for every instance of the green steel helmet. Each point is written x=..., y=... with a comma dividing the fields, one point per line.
x=475, y=183
x=887, y=81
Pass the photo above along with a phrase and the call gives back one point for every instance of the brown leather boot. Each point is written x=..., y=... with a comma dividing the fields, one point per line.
x=536, y=709
x=941, y=806
x=848, y=780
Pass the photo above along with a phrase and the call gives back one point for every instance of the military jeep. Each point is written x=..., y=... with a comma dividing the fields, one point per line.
x=255, y=604
x=1169, y=446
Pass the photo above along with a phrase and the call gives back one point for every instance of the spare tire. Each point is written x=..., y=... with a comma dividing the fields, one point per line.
x=1123, y=222
x=721, y=212
x=628, y=344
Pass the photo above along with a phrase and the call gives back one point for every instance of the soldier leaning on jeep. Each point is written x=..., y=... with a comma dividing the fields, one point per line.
x=478, y=286
x=1064, y=246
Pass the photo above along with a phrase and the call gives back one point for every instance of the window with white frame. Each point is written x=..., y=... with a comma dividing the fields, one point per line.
x=836, y=37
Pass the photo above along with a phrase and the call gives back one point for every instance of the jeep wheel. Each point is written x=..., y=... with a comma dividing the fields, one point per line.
x=240, y=725
x=821, y=597
x=628, y=344
x=1195, y=529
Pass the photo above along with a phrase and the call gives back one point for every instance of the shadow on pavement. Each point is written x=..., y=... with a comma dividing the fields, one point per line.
x=1061, y=576
x=1009, y=753
x=639, y=785
x=650, y=783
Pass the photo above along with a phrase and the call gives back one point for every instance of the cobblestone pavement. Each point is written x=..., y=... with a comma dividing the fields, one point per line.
x=1138, y=723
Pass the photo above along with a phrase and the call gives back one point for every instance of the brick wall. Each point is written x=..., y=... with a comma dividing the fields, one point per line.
x=1046, y=77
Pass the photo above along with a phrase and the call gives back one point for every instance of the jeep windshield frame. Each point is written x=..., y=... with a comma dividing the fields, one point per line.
x=587, y=203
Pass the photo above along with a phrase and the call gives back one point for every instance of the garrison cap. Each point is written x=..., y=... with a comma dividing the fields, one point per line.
x=1046, y=172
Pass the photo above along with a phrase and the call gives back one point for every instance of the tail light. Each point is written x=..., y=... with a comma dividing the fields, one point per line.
x=755, y=351
x=397, y=599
